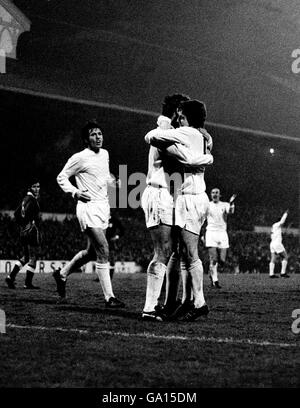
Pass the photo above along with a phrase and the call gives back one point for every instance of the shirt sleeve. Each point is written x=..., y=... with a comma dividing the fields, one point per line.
x=71, y=168
x=29, y=209
x=164, y=136
x=26, y=209
x=186, y=156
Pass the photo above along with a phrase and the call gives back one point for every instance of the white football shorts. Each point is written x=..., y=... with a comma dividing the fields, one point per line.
x=157, y=203
x=191, y=211
x=216, y=239
x=276, y=248
x=93, y=214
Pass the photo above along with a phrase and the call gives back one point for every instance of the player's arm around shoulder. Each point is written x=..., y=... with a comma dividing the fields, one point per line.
x=199, y=155
x=189, y=157
x=165, y=137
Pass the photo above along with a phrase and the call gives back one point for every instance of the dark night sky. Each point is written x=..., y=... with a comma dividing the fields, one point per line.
x=234, y=55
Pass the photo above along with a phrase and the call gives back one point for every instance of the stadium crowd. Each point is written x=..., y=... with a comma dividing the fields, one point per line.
x=249, y=252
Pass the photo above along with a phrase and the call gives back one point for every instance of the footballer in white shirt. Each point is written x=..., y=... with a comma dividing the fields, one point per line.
x=90, y=167
x=216, y=237
x=277, y=248
x=187, y=144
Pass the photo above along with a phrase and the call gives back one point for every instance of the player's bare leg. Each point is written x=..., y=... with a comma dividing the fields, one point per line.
x=186, y=303
x=187, y=292
x=284, y=262
x=80, y=259
x=100, y=245
x=272, y=266
x=213, y=267
x=30, y=270
x=172, y=283
x=221, y=262
x=194, y=268
x=222, y=256
x=10, y=279
x=29, y=260
x=162, y=242
x=173, y=273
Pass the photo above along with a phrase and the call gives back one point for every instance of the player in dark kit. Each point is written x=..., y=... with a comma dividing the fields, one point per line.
x=27, y=216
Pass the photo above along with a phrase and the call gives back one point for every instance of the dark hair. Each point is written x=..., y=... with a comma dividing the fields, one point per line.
x=91, y=124
x=195, y=112
x=172, y=102
x=32, y=176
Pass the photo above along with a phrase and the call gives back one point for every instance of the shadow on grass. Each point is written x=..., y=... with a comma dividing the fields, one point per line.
x=19, y=300
x=99, y=310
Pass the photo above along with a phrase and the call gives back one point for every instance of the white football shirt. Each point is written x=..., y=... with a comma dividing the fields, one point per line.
x=189, y=148
x=91, y=171
x=276, y=232
x=216, y=217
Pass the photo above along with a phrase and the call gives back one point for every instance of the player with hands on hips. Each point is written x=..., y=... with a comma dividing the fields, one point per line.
x=91, y=170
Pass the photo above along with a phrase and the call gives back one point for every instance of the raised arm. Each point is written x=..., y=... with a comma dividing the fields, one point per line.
x=284, y=217
x=164, y=137
x=231, y=204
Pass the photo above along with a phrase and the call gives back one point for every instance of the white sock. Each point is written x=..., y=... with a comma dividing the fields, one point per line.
x=283, y=266
x=195, y=270
x=102, y=270
x=213, y=269
x=155, y=277
x=70, y=267
x=271, y=268
x=172, y=279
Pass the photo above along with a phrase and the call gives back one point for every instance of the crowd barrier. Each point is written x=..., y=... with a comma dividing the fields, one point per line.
x=6, y=266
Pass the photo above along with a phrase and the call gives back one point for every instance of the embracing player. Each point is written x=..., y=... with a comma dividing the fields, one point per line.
x=216, y=237
x=187, y=145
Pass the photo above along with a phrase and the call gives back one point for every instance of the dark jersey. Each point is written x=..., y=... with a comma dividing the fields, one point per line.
x=28, y=211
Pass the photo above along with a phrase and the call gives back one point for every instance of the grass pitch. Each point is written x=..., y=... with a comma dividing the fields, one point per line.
x=246, y=341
